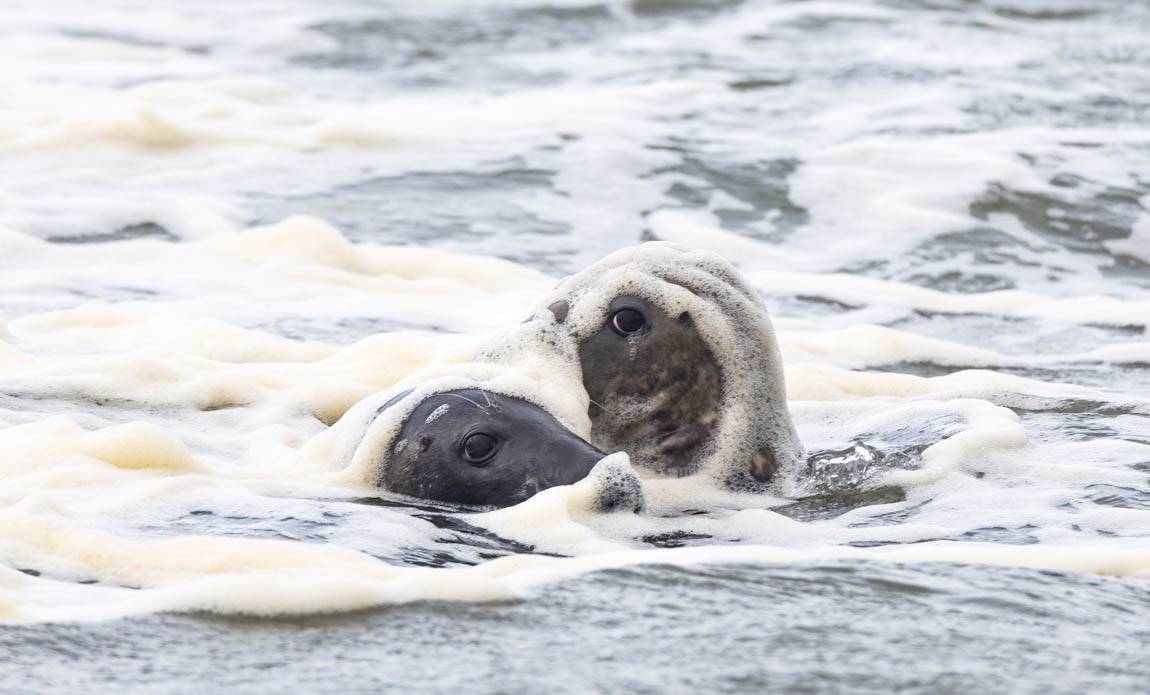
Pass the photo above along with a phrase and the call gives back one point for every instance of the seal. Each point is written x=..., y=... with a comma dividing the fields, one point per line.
x=679, y=361
x=481, y=448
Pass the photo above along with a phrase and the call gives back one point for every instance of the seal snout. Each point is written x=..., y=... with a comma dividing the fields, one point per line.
x=565, y=460
x=618, y=487
x=568, y=460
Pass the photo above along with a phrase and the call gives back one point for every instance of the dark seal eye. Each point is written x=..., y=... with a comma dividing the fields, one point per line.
x=478, y=448
x=627, y=321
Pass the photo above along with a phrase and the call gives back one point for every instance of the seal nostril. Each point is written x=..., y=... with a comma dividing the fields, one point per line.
x=560, y=309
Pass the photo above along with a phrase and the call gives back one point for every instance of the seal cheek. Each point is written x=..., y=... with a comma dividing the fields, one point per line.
x=764, y=465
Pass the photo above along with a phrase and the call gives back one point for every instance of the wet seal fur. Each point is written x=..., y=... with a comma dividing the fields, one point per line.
x=413, y=440
x=699, y=389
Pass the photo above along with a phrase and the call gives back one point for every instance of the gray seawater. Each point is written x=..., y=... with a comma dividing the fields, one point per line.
x=838, y=627
x=799, y=75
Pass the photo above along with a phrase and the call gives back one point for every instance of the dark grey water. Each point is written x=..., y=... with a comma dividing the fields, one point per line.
x=824, y=628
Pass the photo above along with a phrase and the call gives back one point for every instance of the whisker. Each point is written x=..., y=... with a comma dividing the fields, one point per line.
x=602, y=407
x=465, y=398
x=493, y=407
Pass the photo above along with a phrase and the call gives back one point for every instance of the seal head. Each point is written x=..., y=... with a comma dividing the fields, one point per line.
x=679, y=361
x=477, y=447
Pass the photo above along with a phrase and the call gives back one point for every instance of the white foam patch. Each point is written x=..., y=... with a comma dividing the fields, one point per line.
x=435, y=414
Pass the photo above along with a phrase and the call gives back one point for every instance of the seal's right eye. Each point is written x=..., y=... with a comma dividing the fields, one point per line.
x=479, y=447
x=628, y=321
